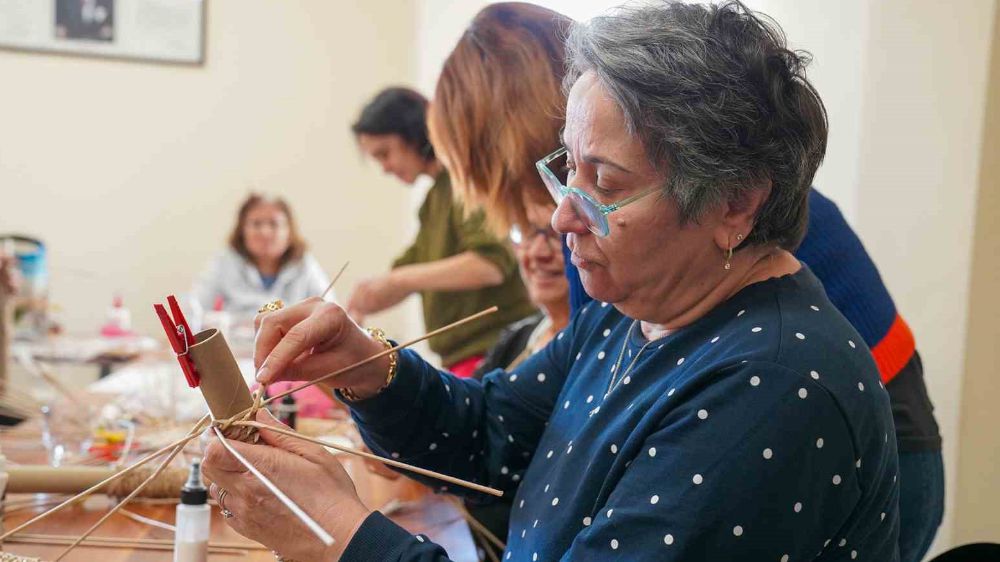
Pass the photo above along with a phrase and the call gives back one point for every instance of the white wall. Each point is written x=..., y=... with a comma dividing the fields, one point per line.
x=834, y=33
x=133, y=171
x=904, y=84
x=923, y=109
x=978, y=487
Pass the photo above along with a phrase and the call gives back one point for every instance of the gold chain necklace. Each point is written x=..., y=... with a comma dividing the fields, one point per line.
x=621, y=355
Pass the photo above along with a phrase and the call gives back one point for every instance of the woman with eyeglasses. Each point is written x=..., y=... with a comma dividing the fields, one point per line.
x=538, y=249
x=710, y=404
x=266, y=259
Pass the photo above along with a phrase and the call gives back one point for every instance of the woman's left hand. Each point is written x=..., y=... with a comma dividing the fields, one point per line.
x=308, y=474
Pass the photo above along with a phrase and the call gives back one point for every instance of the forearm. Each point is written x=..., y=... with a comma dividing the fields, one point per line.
x=457, y=427
x=463, y=272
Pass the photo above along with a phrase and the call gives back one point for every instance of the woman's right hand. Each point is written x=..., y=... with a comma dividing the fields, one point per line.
x=314, y=338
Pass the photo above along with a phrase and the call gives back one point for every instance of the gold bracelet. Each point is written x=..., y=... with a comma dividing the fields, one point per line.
x=379, y=336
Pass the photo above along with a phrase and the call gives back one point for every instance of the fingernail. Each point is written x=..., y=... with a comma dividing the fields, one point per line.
x=263, y=373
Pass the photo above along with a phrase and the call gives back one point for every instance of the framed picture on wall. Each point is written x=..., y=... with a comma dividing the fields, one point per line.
x=85, y=20
x=170, y=31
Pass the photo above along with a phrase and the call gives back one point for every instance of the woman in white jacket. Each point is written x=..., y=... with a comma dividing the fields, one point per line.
x=266, y=260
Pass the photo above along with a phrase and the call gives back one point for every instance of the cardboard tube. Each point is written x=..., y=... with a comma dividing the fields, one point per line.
x=222, y=384
x=43, y=479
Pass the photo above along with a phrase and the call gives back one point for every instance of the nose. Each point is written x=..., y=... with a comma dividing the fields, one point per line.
x=565, y=220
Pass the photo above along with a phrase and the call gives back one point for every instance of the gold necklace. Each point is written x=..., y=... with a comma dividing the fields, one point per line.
x=621, y=355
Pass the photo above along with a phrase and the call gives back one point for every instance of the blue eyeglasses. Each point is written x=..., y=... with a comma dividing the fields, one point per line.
x=592, y=213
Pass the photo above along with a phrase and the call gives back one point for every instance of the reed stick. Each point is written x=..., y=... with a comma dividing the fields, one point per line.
x=147, y=541
x=334, y=282
x=374, y=457
x=147, y=520
x=163, y=464
x=56, y=540
x=309, y=522
x=381, y=354
x=43, y=373
x=479, y=527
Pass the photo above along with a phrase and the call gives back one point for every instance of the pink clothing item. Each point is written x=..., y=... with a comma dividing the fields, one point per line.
x=466, y=367
x=312, y=402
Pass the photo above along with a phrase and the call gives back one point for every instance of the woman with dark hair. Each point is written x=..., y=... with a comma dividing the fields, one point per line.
x=710, y=404
x=456, y=265
x=392, y=131
x=266, y=260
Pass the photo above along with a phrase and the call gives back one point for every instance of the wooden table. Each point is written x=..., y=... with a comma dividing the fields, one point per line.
x=422, y=512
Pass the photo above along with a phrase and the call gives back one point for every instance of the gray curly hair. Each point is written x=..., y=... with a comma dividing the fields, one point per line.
x=721, y=105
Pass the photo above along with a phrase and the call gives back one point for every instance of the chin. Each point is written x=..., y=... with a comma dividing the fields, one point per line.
x=600, y=287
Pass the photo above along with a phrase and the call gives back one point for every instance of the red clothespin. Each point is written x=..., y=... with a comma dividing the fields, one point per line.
x=180, y=337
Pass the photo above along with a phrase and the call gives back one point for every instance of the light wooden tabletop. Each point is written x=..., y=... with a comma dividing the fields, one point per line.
x=419, y=511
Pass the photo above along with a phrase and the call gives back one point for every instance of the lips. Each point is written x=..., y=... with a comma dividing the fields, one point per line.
x=582, y=262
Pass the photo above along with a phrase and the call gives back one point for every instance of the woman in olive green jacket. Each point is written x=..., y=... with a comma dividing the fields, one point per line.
x=456, y=265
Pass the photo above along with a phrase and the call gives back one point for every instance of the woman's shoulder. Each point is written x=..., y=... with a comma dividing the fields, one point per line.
x=788, y=324
x=788, y=318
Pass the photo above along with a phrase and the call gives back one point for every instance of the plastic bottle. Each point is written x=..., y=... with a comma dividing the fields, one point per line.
x=194, y=519
x=119, y=320
x=288, y=411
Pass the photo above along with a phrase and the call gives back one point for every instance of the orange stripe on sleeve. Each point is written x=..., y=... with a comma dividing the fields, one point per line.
x=895, y=350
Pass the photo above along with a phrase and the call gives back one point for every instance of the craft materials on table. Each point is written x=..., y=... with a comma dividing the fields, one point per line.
x=206, y=358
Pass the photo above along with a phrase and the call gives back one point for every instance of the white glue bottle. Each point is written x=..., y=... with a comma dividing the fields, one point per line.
x=194, y=518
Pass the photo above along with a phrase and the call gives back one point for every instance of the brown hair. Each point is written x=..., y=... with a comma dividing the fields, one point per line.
x=498, y=108
x=296, y=244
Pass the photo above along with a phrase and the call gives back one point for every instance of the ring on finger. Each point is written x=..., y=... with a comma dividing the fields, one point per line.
x=271, y=306
x=226, y=514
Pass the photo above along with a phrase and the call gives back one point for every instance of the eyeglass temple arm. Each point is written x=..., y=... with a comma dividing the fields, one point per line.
x=619, y=204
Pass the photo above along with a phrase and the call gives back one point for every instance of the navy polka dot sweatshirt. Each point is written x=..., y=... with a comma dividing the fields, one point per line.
x=759, y=432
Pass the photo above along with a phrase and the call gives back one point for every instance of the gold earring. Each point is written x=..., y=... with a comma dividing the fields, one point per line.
x=729, y=252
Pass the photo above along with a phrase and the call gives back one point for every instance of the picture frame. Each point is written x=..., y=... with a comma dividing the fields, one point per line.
x=159, y=31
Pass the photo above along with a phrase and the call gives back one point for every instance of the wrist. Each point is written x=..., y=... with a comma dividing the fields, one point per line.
x=383, y=369
x=402, y=279
x=343, y=525
x=372, y=386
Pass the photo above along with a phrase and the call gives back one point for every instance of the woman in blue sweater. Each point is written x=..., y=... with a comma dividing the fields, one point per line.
x=711, y=404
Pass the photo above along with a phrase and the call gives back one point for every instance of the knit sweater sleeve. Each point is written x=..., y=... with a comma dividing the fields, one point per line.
x=482, y=431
